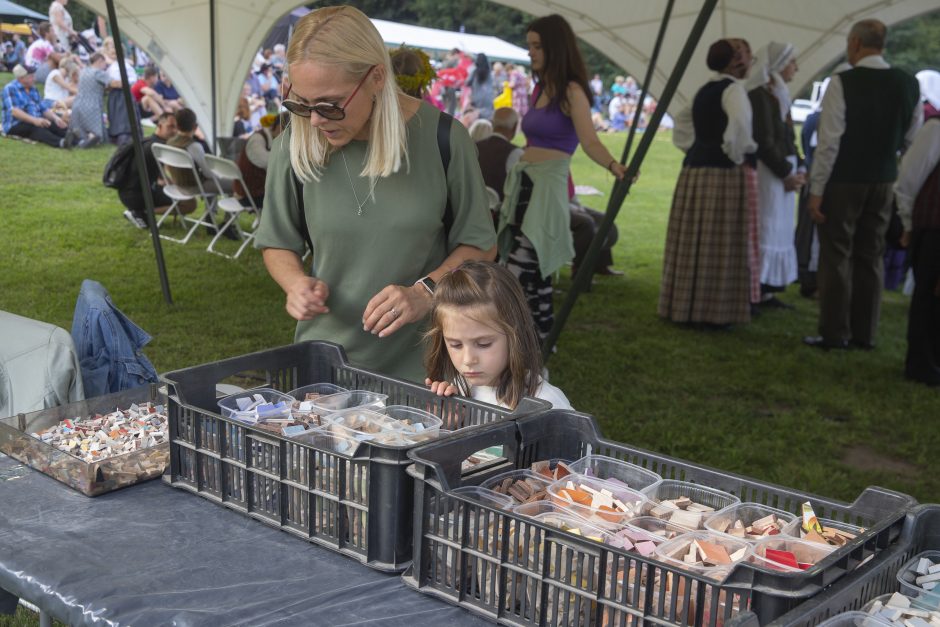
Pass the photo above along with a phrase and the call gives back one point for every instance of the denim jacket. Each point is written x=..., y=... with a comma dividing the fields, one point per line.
x=108, y=344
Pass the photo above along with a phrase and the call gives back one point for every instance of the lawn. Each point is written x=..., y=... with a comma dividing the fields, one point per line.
x=752, y=400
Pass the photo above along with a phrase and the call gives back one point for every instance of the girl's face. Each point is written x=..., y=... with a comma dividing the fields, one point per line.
x=314, y=83
x=536, y=54
x=477, y=348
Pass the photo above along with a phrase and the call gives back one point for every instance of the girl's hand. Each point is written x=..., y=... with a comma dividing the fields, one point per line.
x=306, y=298
x=394, y=307
x=619, y=170
x=441, y=388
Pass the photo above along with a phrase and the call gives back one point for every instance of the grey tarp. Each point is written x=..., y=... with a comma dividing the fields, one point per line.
x=155, y=555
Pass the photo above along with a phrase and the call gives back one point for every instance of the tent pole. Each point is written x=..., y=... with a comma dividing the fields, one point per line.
x=622, y=188
x=654, y=59
x=142, y=175
x=215, y=106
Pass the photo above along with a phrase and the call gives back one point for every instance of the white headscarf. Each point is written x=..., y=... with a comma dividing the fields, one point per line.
x=930, y=86
x=768, y=63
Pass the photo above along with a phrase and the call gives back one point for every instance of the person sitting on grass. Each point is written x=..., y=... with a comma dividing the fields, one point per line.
x=25, y=115
x=151, y=102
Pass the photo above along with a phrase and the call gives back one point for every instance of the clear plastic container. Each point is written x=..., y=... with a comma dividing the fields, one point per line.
x=484, y=496
x=350, y=399
x=673, y=552
x=793, y=529
x=878, y=599
x=323, y=389
x=630, y=501
x=670, y=489
x=804, y=551
x=538, y=482
x=747, y=513
x=606, y=468
x=349, y=427
x=244, y=406
x=416, y=425
x=907, y=574
x=853, y=619
x=537, y=507
x=574, y=525
x=663, y=529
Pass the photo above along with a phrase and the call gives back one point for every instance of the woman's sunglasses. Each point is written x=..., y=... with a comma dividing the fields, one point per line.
x=325, y=110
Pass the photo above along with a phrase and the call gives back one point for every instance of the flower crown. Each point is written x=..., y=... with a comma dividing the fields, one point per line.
x=419, y=81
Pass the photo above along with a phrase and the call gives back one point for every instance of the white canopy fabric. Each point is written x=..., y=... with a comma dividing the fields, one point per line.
x=494, y=48
x=176, y=34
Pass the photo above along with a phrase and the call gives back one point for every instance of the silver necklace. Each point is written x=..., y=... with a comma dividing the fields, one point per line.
x=359, y=205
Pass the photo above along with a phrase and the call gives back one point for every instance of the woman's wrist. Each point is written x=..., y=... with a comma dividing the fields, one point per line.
x=611, y=163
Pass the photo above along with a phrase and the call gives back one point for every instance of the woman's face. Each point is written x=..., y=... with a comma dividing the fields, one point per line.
x=313, y=83
x=789, y=71
x=536, y=54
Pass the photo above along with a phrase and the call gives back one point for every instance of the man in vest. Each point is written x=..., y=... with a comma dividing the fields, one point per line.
x=497, y=155
x=870, y=112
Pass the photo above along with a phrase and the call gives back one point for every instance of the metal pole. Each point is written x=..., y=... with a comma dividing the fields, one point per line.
x=622, y=188
x=142, y=175
x=215, y=106
x=654, y=59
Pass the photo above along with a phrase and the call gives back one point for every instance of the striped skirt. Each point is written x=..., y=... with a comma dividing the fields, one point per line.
x=706, y=269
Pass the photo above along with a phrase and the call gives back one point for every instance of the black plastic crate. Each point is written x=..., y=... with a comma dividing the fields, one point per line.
x=358, y=504
x=921, y=533
x=543, y=576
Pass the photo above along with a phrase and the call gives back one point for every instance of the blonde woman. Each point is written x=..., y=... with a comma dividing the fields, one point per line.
x=373, y=190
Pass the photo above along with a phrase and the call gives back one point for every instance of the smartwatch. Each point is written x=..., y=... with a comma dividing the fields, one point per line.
x=428, y=284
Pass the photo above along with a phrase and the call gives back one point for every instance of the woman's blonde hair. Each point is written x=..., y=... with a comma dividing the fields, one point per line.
x=491, y=289
x=345, y=37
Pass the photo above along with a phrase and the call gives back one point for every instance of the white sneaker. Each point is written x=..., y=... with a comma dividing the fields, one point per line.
x=140, y=224
x=147, y=122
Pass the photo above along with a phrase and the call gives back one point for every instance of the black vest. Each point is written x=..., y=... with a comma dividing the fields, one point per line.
x=879, y=105
x=710, y=122
x=493, y=153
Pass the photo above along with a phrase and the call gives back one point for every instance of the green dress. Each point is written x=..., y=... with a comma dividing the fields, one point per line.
x=398, y=239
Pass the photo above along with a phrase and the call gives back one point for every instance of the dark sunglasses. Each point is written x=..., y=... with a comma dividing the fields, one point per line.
x=325, y=110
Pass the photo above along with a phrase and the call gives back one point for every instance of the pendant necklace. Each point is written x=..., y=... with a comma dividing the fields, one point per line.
x=359, y=205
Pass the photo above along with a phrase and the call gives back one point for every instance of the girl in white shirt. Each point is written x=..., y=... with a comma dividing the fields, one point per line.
x=482, y=342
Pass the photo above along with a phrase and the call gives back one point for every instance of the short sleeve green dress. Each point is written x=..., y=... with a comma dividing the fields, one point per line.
x=397, y=239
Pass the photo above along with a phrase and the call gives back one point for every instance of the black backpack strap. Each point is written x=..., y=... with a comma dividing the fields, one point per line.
x=443, y=144
x=303, y=213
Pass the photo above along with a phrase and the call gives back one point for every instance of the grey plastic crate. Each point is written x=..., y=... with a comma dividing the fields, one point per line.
x=921, y=532
x=544, y=576
x=358, y=504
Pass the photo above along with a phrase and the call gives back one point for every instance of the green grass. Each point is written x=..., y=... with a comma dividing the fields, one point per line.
x=752, y=401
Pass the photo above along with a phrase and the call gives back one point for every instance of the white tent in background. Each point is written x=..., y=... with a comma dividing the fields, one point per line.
x=177, y=35
x=494, y=48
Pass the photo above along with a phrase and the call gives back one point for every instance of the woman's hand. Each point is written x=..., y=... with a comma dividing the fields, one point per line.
x=306, y=298
x=619, y=170
x=441, y=388
x=394, y=307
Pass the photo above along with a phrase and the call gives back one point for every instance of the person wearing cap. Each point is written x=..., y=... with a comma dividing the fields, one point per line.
x=25, y=114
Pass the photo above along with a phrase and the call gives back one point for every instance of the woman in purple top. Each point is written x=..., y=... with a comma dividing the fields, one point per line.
x=534, y=233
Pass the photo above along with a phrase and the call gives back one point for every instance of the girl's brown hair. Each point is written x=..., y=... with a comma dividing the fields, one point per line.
x=484, y=286
x=563, y=62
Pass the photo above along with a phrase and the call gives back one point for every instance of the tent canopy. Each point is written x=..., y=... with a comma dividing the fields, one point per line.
x=13, y=12
x=176, y=34
x=494, y=48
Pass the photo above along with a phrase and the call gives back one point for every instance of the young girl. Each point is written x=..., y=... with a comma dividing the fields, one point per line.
x=482, y=342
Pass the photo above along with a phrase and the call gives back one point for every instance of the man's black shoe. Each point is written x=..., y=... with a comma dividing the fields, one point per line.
x=818, y=341
x=775, y=303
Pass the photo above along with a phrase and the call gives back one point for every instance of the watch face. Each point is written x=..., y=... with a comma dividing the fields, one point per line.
x=429, y=283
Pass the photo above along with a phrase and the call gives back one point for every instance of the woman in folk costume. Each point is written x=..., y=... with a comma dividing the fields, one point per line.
x=706, y=274
x=780, y=172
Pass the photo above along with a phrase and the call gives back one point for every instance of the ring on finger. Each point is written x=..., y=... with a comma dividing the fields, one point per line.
x=394, y=312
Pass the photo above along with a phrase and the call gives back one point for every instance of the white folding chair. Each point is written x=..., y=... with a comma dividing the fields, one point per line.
x=227, y=170
x=168, y=156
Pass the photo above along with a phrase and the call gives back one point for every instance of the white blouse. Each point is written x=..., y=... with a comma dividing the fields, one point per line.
x=737, y=139
x=919, y=161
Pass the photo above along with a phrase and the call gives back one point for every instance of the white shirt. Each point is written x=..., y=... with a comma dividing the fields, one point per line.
x=114, y=72
x=38, y=51
x=546, y=392
x=832, y=126
x=919, y=161
x=737, y=139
